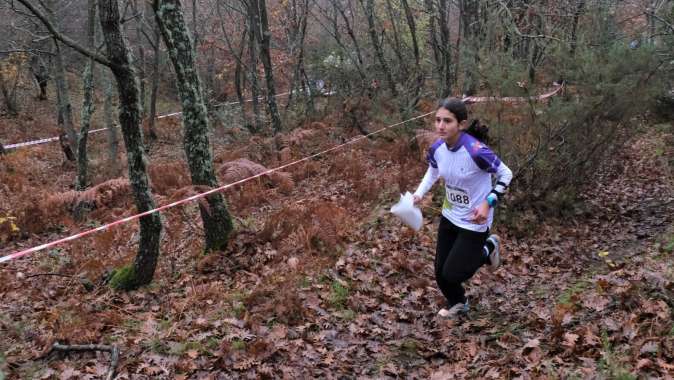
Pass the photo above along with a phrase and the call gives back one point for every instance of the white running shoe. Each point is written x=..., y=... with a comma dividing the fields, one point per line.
x=495, y=255
x=454, y=311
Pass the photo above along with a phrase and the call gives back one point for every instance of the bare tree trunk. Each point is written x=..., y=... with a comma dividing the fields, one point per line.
x=216, y=219
x=239, y=78
x=574, y=26
x=87, y=103
x=252, y=51
x=8, y=95
x=261, y=24
x=397, y=45
x=113, y=139
x=156, y=45
x=433, y=41
x=445, y=48
x=129, y=118
x=379, y=52
x=470, y=27
x=352, y=35
x=417, y=57
x=140, y=11
x=65, y=112
x=240, y=68
x=41, y=74
x=300, y=60
x=297, y=14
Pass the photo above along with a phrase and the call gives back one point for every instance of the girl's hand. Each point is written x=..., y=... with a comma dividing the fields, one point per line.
x=480, y=213
x=416, y=199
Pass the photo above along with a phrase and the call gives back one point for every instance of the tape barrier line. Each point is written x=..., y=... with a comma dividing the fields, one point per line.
x=224, y=187
x=44, y=141
x=16, y=255
x=468, y=100
x=51, y=139
x=511, y=99
x=260, y=98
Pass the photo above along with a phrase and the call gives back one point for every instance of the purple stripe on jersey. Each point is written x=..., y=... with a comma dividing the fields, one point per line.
x=430, y=157
x=480, y=153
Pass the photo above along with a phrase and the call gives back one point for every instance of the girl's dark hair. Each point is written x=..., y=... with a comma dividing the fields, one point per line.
x=458, y=108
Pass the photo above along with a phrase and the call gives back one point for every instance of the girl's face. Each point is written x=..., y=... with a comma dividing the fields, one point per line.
x=447, y=126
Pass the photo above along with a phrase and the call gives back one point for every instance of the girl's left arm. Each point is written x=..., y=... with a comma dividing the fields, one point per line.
x=487, y=160
x=503, y=177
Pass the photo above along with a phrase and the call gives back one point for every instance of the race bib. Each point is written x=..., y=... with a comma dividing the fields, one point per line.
x=457, y=197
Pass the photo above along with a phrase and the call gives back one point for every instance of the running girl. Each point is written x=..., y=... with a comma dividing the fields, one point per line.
x=466, y=166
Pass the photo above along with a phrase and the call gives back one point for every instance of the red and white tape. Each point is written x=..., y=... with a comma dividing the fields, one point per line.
x=51, y=139
x=43, y=141
x=25, y=252
x=511, y=99
x=196, y=196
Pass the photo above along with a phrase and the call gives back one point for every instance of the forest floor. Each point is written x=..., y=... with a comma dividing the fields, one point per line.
x=321, y=281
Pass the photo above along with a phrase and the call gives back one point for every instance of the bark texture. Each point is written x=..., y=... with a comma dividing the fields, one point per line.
x=216, y=219
x=129, y=118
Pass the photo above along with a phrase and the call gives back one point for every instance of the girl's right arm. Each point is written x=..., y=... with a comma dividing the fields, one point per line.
x=432, y=173
x=427, y=182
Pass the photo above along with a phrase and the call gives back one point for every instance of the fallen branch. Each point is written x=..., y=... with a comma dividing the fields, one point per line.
x=49, y=274
x=113, y=350
x=88, y=286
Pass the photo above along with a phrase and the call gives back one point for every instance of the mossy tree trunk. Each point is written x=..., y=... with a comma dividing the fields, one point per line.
x=119, y=61
x=216, y=219
x=87, y=103
x=129, y=119
x=261, y=24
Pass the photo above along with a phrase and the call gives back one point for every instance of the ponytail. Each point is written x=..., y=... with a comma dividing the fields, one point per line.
x=479, y=131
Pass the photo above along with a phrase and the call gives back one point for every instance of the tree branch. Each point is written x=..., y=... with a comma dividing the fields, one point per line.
x=519, y=33
x=29, y=51
x=113, y=350
x=662, y=20
x=67, y=41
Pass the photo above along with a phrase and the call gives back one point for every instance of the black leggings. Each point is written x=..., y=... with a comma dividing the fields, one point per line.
x=458, y=255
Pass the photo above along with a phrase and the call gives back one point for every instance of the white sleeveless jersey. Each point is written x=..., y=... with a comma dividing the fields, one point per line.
x=466, y=169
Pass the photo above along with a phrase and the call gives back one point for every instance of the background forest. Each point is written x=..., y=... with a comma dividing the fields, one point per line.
x=301, y=271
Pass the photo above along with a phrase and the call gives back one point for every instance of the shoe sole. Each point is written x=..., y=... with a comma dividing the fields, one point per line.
x=495, y=256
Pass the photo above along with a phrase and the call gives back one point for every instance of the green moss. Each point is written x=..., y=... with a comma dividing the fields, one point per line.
x=409, y=346
x=124, y=278
x=569, y=296
x=668, y=247
x=339, y=295
x=238, y=345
